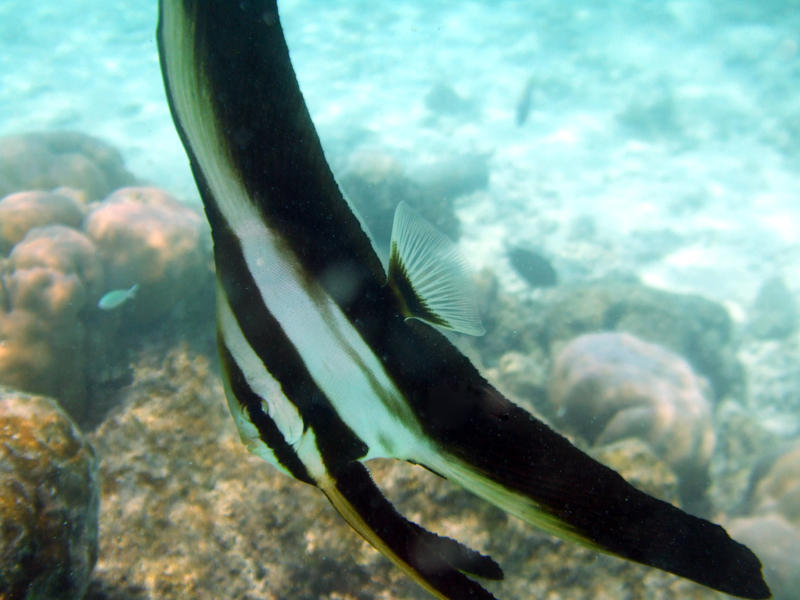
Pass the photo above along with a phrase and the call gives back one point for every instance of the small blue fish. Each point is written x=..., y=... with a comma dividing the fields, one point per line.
x=116, y=298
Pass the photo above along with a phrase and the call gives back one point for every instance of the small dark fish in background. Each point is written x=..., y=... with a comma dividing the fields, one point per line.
x=532, y=266
x=524, y=102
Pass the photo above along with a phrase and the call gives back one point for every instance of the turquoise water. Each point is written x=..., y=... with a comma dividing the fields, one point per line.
x=638, y=109
x=661, y=141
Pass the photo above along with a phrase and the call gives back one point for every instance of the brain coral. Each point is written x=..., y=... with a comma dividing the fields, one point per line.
x=49, y=277
x=62, y=250
x=777, y=543
x=612, y=386
x=53, y=339
x=778, y=487
x=22, y=211
x=694, y=327
x=773, y=529
x=53, y=159
x=49, y=498
x=54, y=270
x=146, y=236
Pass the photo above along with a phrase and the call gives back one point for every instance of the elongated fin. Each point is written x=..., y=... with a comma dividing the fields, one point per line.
x=515, y=461
x=436, y=563
x=428, y=273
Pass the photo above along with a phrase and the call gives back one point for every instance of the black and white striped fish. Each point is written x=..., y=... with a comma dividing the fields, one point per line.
x=322, y=365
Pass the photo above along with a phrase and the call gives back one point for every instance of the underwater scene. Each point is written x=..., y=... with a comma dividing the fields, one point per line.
x=517, y=290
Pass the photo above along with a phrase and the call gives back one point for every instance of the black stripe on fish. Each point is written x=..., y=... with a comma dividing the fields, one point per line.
x=336, y=441
x=245, y=57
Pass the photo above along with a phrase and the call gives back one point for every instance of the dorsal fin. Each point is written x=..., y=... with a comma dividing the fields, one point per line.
x=429, y=276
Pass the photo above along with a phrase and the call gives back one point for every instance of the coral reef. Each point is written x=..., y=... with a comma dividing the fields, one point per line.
x=692, y=326
x=51, y=274
x=513, y=323
x=523, y=377
x=49, y=496
x=54, y=270
x=376, y=183
x=635, y=460
x=776, y=486
x=772, y=528
x=188, y=513
x=51, y=159
x=774, y=312
x=146, y=236
x=21, y=212
x=62, y=255
x=695, y=328
x=612, y=386
x=777, y=543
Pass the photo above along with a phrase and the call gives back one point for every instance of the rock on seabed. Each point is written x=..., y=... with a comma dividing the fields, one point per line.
x=49, y=497
x=611, y=386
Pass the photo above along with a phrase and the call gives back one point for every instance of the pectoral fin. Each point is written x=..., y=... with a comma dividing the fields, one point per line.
x=429, y=276
x=435, y=562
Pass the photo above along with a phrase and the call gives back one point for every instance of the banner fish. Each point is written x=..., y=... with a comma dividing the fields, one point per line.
x=323, y=365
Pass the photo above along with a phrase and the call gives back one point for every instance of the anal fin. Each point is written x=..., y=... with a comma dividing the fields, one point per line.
x=435, y=562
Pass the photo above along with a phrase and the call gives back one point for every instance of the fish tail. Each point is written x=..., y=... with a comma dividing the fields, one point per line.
x=435, y=562
x=515, y=461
